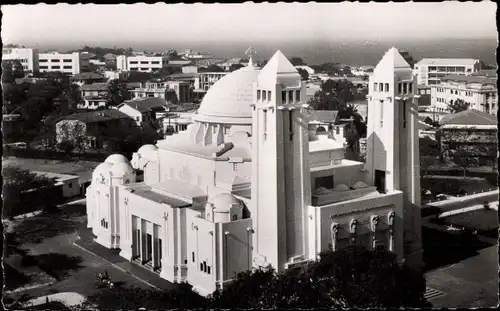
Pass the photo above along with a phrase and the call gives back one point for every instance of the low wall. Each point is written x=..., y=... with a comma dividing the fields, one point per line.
x=440, y=207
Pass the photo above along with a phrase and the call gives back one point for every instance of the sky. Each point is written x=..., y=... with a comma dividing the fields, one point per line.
x=131, y=25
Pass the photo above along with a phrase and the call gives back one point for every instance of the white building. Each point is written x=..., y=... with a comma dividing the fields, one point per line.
x=480, y=93
x=69, y=184
x=28, y=57
x=141, y=63
x=71, y=63
x=205, y=80
x=115, y=75
x=429, y=71
x=183, y=90
x=247, y=184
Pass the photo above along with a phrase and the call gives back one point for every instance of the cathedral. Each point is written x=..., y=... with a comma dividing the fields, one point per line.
x=253, y=181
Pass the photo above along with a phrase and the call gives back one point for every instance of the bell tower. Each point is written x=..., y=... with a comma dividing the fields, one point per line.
x=392, y=160
x=280, y=174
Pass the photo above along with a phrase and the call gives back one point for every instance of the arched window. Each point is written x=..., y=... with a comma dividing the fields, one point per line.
x=235, y=217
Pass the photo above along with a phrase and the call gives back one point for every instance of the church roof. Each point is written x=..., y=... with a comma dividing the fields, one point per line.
x=469, y=117
x=392, y=59
x=229, y=98
x=279, y=64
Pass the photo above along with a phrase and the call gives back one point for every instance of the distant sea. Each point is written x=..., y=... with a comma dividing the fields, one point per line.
x=349, y=52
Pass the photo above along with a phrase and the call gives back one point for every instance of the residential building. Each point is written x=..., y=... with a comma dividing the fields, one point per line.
x=116, y=75
x=177, y=121
x=480, y=93
x=89, y=129
x=487, y=73
x=429, y=71
x=110, y=58
x=180, y=63
x=94, y=96
x=97, y=62
x=69, y=184
x=425, y=96
x=141, y=63
x=88, y=78
x=144, y=110
x=183, y=90
x=28, y=57
x=470, y=130
x=189, y=69
x=72, y=63
x=205, y=80
x=235, y=191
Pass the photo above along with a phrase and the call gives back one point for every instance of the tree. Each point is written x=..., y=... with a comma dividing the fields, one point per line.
x=465, y=160
x=303, y=74
x=297, y=61
x=458, y=105
x=234, y=67
x=66, y=146
x=139, y=76
x=117, y=93
x=166, y=72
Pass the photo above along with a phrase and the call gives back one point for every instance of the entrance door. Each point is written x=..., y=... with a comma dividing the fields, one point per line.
x=380, y=181
x=149, y=247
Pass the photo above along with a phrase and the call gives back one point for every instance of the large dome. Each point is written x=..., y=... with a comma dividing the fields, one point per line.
x=228, y=100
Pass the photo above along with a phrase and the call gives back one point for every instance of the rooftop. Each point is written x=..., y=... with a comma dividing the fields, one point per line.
x=145, y=104
x=88, y=76
x=470, y=79
x=448, y=61
x=148, y=192
x=469, y=117
x=97, y=116
x=489, y=73
x=94, y=87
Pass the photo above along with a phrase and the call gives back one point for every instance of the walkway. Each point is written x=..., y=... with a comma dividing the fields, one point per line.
x=68, y=299
x=86, y=242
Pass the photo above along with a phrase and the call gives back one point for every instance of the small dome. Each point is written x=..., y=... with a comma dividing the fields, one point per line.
x=116, y=158
x=121, y=169
x=341, y=187
x=359, y=185
x=103, y=168
x=222, y=202
x=322, y=191
x=149, y=152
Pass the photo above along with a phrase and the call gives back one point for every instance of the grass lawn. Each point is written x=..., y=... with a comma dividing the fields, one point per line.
x=484, y=221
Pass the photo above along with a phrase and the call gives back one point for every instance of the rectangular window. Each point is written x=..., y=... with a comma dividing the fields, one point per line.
x=290, y=124
x=67, y=67
x=432, y=68
x=387, y=87
x=56, y=67
x=400, y=88
x=193, y=256
x=410, y=88
x=375, y=86
x=290, y=97
x=155, y=62
x=205, y=266
x=208, y=269
x=144, y=62
x=201, y=266
x=324, y=182
x=381, y=87
x=283, y=97
x=42, y=60
x=337, y=130
x=381, y=113
x=67, y=60
x=134, y=62
x=264, y=93
x=44, y=67
x=405, y=88
x=268, y=95
x=297, y=95
x=235, y=167
x=70, y=185
x=55, y=60
x=258, y=94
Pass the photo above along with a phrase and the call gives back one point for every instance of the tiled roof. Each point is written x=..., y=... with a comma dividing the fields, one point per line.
x=470, y=79
x=97, y=116
x=490, y=73
x=448, y=61
x=94, y=87
x=323, y=115
x=146, y=104
x=88, y=76
x=469, y=117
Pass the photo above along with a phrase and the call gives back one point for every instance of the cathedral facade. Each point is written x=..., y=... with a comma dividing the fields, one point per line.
x=253, y=182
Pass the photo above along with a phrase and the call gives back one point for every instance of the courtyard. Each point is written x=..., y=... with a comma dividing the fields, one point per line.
x=43, y=257
x=462, y=260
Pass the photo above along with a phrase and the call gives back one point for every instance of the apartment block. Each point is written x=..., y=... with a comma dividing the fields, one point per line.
x=71, y=63
x=28, y=57
x=141, y=63
x=429, y=71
